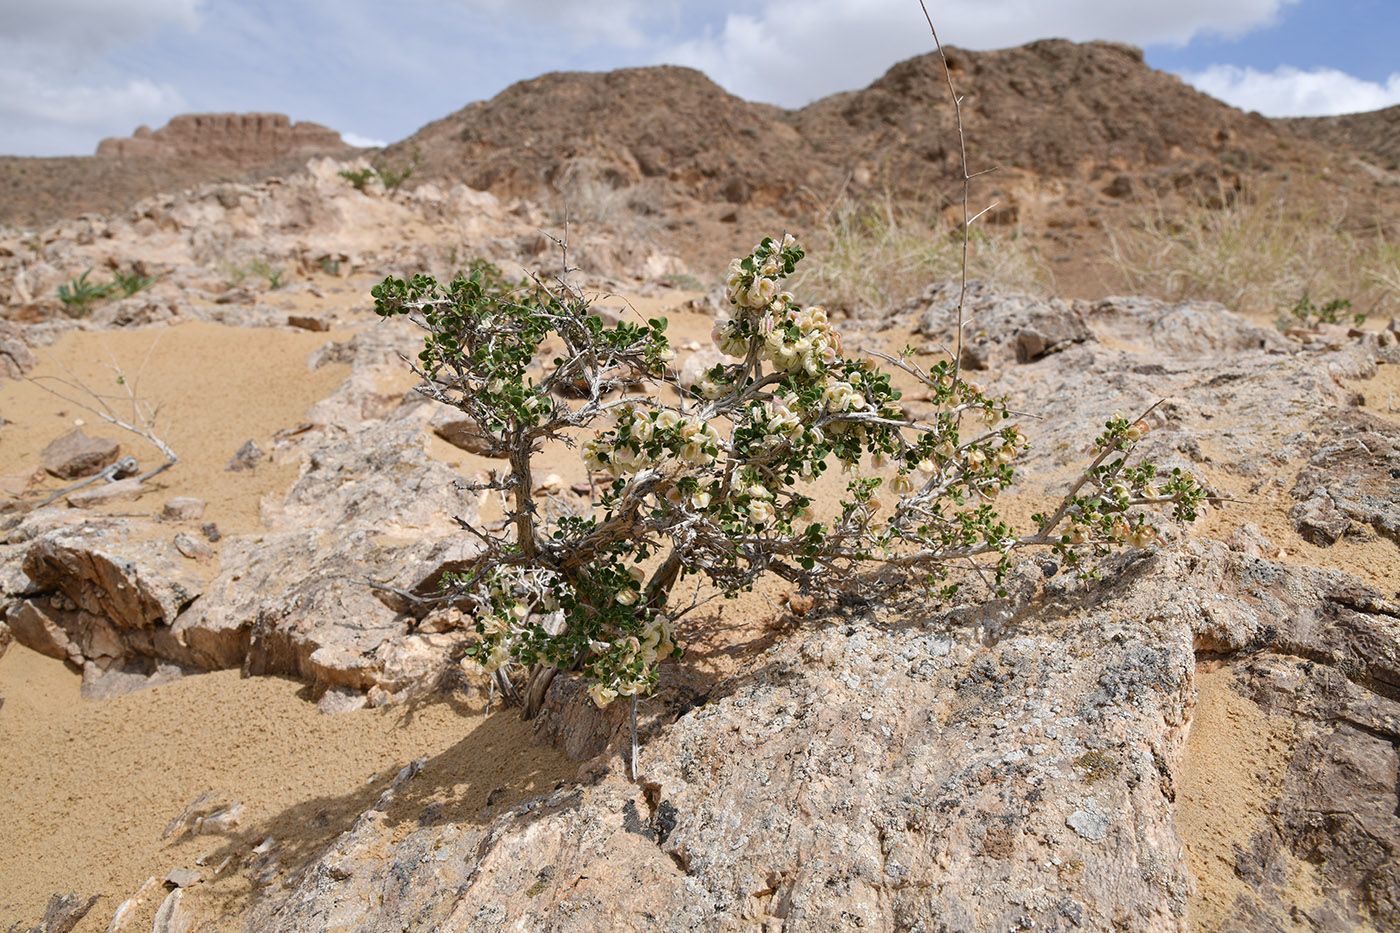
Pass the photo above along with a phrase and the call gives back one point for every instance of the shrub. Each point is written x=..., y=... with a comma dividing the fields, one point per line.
x=712, y=483
x=358, y=177
x=79, y=295
x=1307, y=314
x=131, y=283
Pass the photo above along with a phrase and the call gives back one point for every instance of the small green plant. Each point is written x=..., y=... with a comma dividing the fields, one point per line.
x=358, y=177
x=236, y=274
x=389, y=176
x=393, y=176
x=330, y=266
x=1307, y=314
x=79, y=295
x=132, y=282
x=714, y=484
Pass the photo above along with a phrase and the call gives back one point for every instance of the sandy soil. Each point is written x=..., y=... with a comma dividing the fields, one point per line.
x=210, y=387
x=89, y=789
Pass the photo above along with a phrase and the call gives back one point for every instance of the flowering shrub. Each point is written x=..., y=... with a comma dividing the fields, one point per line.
x=712, y=482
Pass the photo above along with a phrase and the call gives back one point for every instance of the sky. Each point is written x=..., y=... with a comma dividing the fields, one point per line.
x=75, y=71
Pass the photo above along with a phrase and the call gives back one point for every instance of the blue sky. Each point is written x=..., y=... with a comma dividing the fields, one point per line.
x=74, y=71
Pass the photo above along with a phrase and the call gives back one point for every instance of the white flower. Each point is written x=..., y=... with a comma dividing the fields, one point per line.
x=602, y=695
x=626, y=597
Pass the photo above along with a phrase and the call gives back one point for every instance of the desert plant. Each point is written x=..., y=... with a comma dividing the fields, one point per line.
x=358, y=177
x=1306, y=314
x=1257, y=252
x=875, y=253
x=235, y=274
x=132, y=282
x=712, y=484
x=79, y=295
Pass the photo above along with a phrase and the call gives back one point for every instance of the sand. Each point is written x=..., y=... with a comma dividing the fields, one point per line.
x=87, y=789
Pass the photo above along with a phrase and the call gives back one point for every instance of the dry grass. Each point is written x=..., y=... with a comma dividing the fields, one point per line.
x=1259, y=254
x=865, y=257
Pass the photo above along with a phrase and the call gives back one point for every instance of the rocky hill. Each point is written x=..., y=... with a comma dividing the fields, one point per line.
x=1376, y=133
x=1083, y=136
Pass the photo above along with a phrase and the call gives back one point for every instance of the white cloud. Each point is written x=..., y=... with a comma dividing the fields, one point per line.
x=363, y=142
x=1291, y=92
x=65, y=34
x=792, y=51
x=619, y=23
x=27, y=101
x=57, y=93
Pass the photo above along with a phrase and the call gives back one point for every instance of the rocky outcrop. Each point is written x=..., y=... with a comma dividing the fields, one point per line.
x=242, y=139
x=1002, y=767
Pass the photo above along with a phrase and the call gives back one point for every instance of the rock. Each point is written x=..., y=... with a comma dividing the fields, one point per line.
x=6, y=636
x=16, y=359
x=129, y=676
x=182, y=878
x=1001, y=329
x=307, y=322
x=132, y=583
x=462, y=432
x=193, y=548
x=1250, y=541
x=100, y=494
x=1090, y=824
x=341, y=700
x=246, y=458
x=172, y=916
x=75, y=455
x=211, y=532
x=1319, y=520
x=126, y=910
x=699, y=363
x=63, y=913
x=183, y=509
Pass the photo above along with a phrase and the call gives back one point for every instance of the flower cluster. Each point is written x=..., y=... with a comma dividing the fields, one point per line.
x=644, y=438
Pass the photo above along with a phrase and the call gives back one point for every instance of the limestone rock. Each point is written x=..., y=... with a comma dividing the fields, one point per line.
x=75, y=455
x=134, y=584
x=910, y=770
x=6, y=636
x=192, y=547
x=1001, y=329
x=698, y=363
x=16, y=359
x=1319, y=520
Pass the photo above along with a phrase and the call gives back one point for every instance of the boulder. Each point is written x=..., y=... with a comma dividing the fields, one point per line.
x=75, y=455
x=461, y=431
x=999, y=330
x=247, y=457
x=183, y=509
x=110, y=573
x=995, y=766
